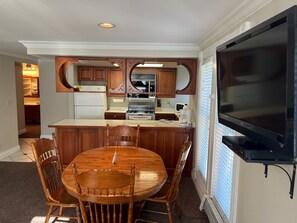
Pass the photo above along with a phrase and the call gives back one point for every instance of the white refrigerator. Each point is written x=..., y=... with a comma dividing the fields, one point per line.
x=90, y=102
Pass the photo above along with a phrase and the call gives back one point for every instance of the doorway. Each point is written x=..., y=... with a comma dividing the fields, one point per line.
x=27, y=79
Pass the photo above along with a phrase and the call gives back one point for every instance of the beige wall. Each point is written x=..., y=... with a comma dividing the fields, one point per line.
x=53, y=106
x=8, y=105
x=20, y=98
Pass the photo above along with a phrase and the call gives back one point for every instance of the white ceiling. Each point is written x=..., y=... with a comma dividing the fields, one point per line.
x=137, y=21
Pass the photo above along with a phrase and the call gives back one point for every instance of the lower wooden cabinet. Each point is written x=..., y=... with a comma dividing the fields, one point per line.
x=67, y=144
x=114, y=115
x=167, y=116
x=166, y=142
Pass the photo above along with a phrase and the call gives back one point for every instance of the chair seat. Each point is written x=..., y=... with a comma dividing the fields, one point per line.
x=64, y=197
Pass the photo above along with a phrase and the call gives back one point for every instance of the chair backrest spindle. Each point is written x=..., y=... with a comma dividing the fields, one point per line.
x=122, y=135
x=182, y=159
x=106, y=192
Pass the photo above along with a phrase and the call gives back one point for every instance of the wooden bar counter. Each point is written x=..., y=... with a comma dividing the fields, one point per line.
x=163, y=137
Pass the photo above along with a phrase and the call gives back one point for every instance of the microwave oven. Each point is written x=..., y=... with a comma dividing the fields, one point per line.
x=179, y=106
x=144, y=82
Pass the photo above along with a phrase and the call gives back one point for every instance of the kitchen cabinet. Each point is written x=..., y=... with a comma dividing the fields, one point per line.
x=87, y=139
x=159, y=80
x=115, y=115
x=166, y=83
x=32, y=113
x=115, y=82
x=67, y=144
x=165, y=141
x=92, y=74
x=185, y=69
x=167, y=116
x=31, y=86
x=119, y=79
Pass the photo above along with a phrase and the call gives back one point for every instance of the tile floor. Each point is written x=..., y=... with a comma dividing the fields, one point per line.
x=25, y=154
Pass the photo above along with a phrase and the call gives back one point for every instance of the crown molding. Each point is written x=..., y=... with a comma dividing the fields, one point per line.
x=231, y=22
x=109, y=45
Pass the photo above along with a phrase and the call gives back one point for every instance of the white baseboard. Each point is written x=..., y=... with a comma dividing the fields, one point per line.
x=22, y=131
x=199, y=185
x=9, y=152
x=211, y=211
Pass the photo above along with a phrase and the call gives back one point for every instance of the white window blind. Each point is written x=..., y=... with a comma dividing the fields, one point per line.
x=222, y=175
x=204, y=116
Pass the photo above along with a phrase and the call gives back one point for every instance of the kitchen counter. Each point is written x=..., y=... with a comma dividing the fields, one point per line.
x=103, y=122
x=163, y=137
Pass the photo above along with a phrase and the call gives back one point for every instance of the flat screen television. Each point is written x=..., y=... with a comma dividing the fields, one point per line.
x=257, y=89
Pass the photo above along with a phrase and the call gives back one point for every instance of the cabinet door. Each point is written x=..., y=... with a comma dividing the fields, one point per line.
x=99, y=74
x=87, y=139
x=166, y=116
x=67, y=144
x=166, y=83
x=109, y=115
x=85, y=74
x=115, y=82
x=167, y=143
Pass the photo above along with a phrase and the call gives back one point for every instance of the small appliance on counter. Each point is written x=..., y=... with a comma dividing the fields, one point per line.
x=185, y=116
x=179, y=106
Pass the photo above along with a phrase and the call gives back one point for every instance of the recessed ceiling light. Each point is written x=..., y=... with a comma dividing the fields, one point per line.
x=106, y=25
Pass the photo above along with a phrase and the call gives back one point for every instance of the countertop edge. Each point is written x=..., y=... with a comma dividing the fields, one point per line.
x=89, y=123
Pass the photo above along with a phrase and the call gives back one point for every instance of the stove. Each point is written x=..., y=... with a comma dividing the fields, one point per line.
x=141, y=109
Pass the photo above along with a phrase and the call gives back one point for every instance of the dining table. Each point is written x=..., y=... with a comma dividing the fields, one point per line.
x=150, y=171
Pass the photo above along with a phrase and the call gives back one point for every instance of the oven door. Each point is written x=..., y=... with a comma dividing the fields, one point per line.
x=140, y=117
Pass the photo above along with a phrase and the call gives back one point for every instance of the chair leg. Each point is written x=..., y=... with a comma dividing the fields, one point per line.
x=48, y=214
x=78, y=215
x=60, y=210
x=169, y=212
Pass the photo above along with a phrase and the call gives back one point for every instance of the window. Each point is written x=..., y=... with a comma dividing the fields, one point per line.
x=222, y=176
x=214, y=160
x=204, y=116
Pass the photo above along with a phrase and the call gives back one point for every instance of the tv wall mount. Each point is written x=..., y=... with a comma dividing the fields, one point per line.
x=291, y=177
x=253, y=152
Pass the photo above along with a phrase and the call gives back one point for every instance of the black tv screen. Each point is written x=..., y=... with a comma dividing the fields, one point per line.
x=256, y=91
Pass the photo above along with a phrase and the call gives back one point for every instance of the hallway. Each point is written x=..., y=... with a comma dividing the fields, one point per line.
x=25, y=154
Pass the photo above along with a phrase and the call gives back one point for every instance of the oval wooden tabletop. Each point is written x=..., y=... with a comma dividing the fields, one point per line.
x=150, y=170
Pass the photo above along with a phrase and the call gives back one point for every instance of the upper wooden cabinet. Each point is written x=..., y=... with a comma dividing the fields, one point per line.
x=115, y=82
x=72, y=71
x=166, y=83
x=183, y=82
x=91, y=74
x=118, y=77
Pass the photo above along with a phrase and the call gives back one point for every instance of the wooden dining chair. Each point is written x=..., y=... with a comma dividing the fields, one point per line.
x=50, y=171
x=57, y=151
x=169, y=192
x=122, y=135
x=108, y=194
